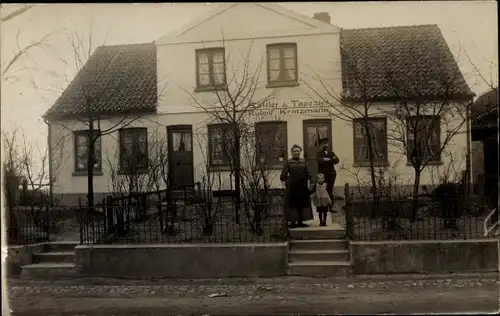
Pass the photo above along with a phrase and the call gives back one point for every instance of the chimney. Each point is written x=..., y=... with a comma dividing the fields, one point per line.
x=323, y=17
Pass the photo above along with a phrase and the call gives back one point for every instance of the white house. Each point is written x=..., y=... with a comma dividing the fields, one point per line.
x=294, y=77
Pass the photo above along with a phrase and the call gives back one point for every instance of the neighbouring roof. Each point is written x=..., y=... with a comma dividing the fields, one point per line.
x=376, y=61
x=115, y=79
x=485, y=108
x=123, y=78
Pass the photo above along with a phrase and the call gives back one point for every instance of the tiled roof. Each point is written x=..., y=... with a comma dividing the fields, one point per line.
x=485, y=105
x=377, y=62
x=115, y=79
x=122, y=78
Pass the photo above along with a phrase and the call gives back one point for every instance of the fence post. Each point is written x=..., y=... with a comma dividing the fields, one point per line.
x=82, y=219
x=349, y=219
x=48, y=222
x=108, y=206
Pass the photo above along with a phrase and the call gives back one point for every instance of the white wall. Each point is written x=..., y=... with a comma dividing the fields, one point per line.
x=63, y=151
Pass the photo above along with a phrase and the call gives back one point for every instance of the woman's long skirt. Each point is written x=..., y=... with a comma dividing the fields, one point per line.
x=297, y=200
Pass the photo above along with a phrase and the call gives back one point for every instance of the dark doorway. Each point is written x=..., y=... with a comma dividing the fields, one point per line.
x=180, y=155
x=314, y=130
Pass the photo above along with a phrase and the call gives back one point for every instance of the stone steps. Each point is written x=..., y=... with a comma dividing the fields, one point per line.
x=318, y=252
x=316, y=233
x=49, y=271
x=318, y=255
x=319, y=268
x=61, y=246
x=54, y=257
x=55, y=262
x=318, y=244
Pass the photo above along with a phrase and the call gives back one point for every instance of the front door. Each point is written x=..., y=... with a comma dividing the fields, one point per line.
x=180, y=155
x=314, y=131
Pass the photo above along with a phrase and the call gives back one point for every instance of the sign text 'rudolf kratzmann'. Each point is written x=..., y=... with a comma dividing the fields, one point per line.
x=291, y=107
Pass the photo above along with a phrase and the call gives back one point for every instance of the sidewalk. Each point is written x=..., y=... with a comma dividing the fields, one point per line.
x=285, y=295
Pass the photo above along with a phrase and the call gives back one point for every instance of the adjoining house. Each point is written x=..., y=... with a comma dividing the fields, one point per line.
x=156, y=93
x=485, y=140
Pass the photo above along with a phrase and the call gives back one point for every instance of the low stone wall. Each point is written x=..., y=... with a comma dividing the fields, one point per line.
x=182, y=261
x=385, y=257
x=18, y=256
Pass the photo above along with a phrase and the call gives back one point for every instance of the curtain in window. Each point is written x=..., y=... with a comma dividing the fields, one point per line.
x=427, y=132
x=81, y=151
x=322, y=133
x=377, y=135
x=218, y=67
x=203, y=68
x=274, y=64
x=361, y=148
x=181, y=142
x=289, y=57
x=312, y=136
x=217, y=150
x=271, y=142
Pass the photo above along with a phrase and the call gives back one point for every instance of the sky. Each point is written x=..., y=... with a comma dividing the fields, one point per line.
x=469, y=27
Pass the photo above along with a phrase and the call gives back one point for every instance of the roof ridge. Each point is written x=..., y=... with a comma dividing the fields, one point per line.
x=126, y=45
x=391, y=27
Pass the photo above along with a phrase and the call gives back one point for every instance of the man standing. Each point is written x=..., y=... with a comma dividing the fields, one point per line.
x=326, y=165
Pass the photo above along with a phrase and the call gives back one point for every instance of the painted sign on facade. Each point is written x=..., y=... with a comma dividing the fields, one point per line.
x=290, y=107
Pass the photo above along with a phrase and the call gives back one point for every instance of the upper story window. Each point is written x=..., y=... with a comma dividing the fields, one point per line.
x=282, y=64
x=424, y=138
x=378, y=135
x=210, y=68
x=133, y=150
x=82, y=151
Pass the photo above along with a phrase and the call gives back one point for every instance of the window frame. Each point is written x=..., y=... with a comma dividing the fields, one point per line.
x=135, y=132
x=281, y=47
x=211, y=52
x=366, y=163
x=275, y=163
x=425, y=160
x=211, y=128
x=85, y=133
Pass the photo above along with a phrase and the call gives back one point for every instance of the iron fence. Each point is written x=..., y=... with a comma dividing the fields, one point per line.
x=41, y=223
x=182, y=222
x=423, y=219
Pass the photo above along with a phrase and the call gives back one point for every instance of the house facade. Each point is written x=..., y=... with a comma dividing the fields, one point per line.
x=292, y=79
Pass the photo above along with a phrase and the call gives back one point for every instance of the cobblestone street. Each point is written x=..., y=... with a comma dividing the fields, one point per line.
x=285, y=295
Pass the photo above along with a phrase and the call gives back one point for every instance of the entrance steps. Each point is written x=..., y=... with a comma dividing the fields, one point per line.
x=318, y=251
x=55, y=262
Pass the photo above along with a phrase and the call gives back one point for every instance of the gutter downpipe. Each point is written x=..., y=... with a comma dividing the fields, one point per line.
x=49, y=141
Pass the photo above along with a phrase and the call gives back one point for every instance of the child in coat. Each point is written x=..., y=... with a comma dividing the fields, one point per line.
x=321, y=198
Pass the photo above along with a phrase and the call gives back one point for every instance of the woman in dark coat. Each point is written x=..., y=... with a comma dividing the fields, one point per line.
x=295, y=177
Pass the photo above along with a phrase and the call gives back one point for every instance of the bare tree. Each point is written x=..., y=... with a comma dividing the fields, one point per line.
x=233, y=98
x=208, y=207
x=96, y=85
x=357, y=103
x=256, y=173
x=16, y=12
x=11, y=66
x=431, y=108
x=26, y=175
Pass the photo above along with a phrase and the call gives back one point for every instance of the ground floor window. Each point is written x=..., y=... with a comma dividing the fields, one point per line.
x=271, y=142
x=377, y=129
x=133, y=149
x=220, y=144
x=82, y=139
x=423, y=138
